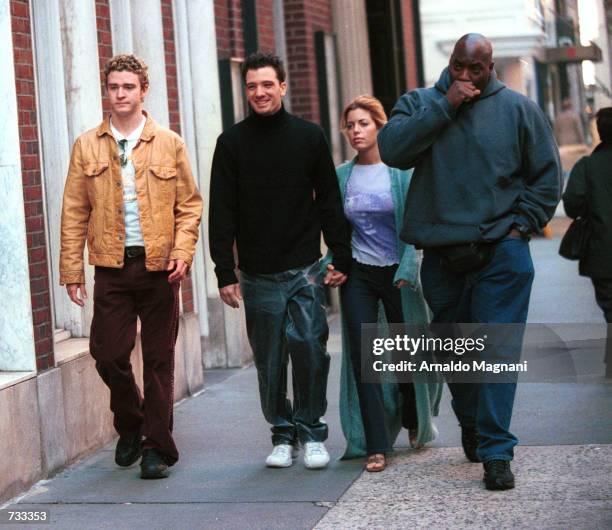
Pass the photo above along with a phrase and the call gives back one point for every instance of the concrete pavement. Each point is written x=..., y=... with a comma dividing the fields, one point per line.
x=563, y=465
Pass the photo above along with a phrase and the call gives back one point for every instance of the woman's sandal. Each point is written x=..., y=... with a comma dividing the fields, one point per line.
x=376, y=463
x=413, y=435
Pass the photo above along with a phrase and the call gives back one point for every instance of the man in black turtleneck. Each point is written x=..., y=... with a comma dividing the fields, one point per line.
x=273, y=190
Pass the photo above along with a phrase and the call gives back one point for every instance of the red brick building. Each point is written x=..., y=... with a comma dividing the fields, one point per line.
x=306, y=34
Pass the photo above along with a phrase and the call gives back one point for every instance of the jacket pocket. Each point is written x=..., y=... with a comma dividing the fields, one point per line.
x=162, y=172
x=93, y=170
x=162, y=186
x=96, y=183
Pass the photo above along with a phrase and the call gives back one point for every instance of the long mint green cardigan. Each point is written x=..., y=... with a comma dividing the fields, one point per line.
x=415, y=312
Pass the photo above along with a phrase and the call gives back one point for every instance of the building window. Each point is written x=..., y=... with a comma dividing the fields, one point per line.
x=233, y=99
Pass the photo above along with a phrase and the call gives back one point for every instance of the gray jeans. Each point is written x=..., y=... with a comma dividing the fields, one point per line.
x=285, y=317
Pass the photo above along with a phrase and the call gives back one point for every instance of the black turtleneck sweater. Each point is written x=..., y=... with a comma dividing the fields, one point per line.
x=273, y=188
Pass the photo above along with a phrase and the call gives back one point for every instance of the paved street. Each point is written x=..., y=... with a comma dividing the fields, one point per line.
x=563, y=465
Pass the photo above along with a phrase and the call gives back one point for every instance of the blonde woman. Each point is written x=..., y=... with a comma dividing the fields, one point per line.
x=384, y=272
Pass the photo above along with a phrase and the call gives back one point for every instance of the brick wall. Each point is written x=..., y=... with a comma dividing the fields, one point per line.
x=174, y=111
x=410, y=49
x=105, y=44
x=32, y=185
x=228, y=25
x=170, y=57
x=222, y=29
x=265, y=25
x=302, y=19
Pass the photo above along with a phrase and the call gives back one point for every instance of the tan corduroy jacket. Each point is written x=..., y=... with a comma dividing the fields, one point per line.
x=169, y=203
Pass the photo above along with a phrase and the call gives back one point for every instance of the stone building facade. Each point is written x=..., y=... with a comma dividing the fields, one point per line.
x=53, y=406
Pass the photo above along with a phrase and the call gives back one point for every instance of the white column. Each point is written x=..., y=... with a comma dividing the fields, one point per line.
x=16, y=332
x=206, y=104
x=186, y=101
x=82, y=74
x=148, y=37
x=121, y=26
x=183, y=59
x=351, y=28
x=207, y=120
x=335, y=107
x=82, y=85
x=55, y=148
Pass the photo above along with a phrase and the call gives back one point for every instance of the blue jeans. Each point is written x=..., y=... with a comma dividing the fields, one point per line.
x=496, y=294
x=285, y=317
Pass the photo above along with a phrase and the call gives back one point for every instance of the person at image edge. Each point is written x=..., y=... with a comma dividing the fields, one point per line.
x=589, y=194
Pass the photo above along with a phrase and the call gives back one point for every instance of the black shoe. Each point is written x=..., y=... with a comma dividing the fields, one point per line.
x=153, y=465
x=127, y=450
x=497, y=475
x=469, y=441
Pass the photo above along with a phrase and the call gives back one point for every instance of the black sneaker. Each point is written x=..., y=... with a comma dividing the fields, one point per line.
x=153, y=465
x=497, y=475
x=469, y=441
x=127, y=450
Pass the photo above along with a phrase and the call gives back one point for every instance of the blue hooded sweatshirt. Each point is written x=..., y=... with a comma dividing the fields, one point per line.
x=479, y=169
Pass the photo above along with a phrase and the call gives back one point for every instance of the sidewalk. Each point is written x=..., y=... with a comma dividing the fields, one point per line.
x=563, y=465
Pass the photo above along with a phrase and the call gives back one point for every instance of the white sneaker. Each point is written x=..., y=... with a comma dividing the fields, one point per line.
x=315, y=455
x=280, y=456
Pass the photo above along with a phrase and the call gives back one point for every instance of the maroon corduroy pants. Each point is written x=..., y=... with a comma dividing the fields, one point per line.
x=120, y=296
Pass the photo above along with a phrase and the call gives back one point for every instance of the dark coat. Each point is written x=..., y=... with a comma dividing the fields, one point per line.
x=590, y=190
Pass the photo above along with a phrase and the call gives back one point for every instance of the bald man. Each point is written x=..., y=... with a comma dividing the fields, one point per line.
x=487, y=175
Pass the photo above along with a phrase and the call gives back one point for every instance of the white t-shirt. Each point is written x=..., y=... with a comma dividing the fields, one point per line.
x=133, y=234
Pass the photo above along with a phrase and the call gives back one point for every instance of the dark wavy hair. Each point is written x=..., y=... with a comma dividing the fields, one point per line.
x=258, y=60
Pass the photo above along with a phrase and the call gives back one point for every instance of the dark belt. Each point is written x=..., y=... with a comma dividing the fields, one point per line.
x=134, y=252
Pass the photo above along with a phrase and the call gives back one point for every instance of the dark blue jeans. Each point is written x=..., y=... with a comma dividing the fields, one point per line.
x=285, y=317
x=496, y=294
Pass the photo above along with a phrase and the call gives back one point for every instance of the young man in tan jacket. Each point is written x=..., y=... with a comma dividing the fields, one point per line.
x=131, y=194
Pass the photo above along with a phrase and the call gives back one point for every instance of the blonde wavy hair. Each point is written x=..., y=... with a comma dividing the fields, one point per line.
x=368, y=103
